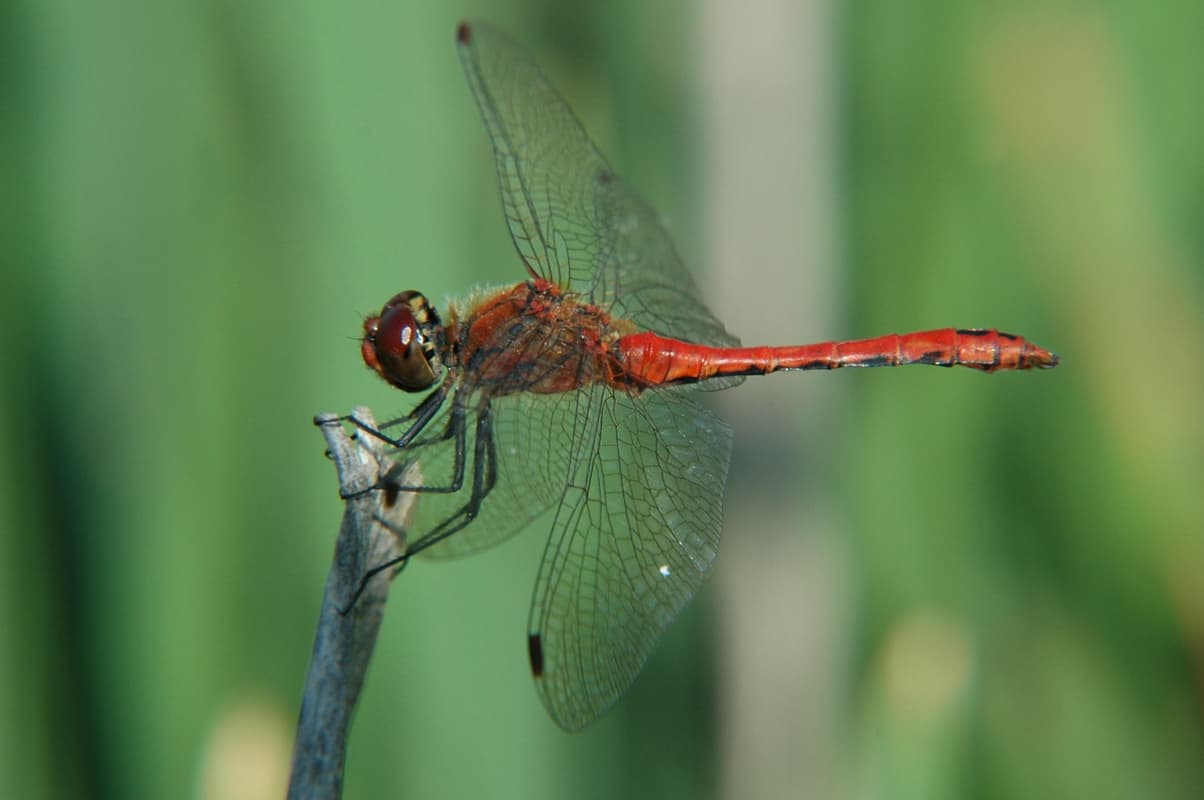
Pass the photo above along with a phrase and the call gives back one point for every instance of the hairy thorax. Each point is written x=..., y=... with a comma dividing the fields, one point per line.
x=535, y=338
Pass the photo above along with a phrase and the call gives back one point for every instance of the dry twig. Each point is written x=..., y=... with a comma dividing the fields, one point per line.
x=345, y=638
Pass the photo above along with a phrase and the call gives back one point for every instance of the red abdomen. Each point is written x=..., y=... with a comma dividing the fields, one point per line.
x=651, y=360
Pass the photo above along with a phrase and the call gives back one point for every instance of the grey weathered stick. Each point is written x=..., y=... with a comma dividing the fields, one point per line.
x=344, y=642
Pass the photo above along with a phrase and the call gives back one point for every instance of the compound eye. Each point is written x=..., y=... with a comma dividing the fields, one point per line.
x=395, y=346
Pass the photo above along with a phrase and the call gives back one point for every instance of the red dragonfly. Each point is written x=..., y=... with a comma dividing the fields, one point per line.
x=579, y=390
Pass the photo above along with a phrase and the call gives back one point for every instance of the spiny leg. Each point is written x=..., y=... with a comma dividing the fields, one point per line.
x=484, y=478
x=422, y=414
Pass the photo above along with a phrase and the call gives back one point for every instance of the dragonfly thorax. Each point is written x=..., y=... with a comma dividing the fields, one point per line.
x=402, y=343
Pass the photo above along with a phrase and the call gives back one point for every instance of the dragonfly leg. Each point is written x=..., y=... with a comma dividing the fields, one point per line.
x=457, y=429
x=484, y=478
x=400, y=563
x=421, y=416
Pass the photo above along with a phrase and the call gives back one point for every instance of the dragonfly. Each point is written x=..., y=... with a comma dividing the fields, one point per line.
x=579, y=392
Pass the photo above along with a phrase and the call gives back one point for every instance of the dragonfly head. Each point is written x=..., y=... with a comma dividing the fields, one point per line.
x=402, y=343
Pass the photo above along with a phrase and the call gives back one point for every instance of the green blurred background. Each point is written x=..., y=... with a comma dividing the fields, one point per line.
x=934, y=584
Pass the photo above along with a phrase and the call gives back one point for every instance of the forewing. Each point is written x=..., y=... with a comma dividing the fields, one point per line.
x=547, y=167
x=573, y=221
x=633, y=538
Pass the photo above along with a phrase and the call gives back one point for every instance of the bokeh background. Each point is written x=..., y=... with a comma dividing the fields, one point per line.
x=934, y=584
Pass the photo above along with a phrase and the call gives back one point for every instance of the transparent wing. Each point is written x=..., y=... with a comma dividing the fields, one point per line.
x=573, y=221
x=533, y=438
x=638, y=483
x=635, y=533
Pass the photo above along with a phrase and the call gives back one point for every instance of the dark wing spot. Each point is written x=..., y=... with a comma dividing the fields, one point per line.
x=463, y=33
x=605, y=177
x=535, y=653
